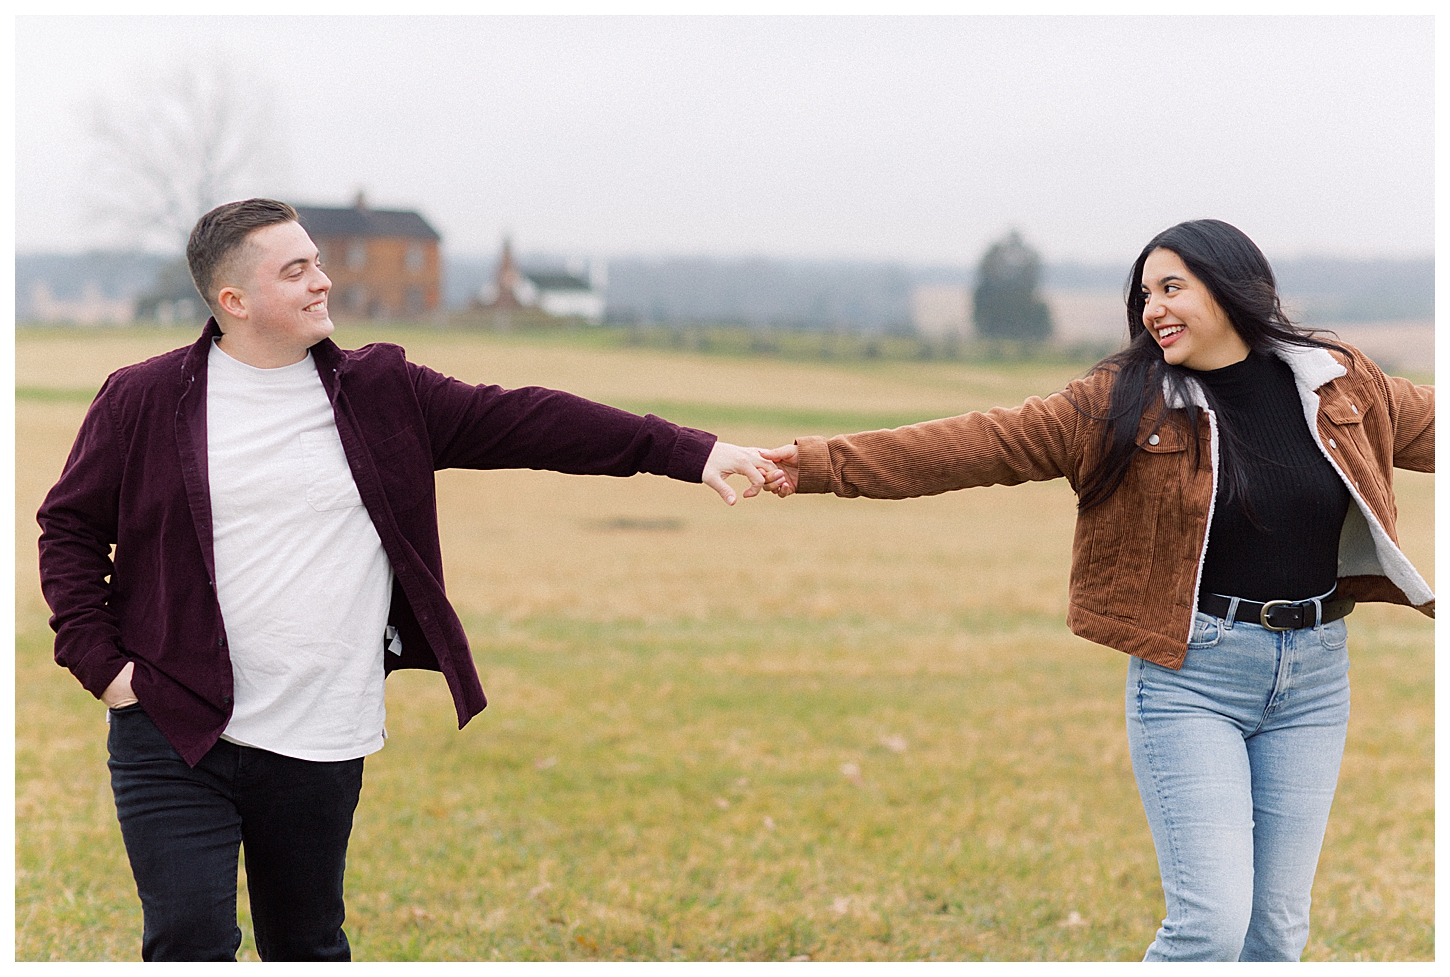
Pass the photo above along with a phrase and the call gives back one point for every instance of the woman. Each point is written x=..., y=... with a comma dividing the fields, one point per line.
x=1233, y=476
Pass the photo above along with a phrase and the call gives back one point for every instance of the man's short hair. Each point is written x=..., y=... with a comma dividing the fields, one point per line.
x=220, y=234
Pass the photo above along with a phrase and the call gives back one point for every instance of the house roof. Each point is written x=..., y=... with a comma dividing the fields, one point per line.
x=364, y=222
x=556, y=281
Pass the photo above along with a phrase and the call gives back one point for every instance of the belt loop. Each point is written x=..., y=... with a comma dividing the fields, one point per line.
x=1318, y=613
x=1233, y=606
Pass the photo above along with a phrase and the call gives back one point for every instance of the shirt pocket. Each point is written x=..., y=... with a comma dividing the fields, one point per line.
x=329, y=481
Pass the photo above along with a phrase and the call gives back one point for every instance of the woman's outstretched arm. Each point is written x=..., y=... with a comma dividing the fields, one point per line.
x=1042, y=439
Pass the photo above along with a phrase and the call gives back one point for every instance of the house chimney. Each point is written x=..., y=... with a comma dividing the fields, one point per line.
x=506, y=279
x=361, y=203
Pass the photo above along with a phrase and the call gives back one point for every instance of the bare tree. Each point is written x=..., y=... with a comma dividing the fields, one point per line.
x=173, y=148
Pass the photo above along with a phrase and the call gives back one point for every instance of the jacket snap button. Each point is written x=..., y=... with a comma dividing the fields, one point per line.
x=1152, y=439
x=1354, y=408
x=1332, y=444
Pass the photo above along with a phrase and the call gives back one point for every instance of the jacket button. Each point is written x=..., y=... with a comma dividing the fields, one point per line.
x=221, y=642
x=1153, y=439
x=1332, y=444
x=1354, y=408
x=226, y=700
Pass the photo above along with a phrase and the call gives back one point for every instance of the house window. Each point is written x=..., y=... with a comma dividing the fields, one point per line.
x=357, y=255
x=356, y=297
x=413, y=258
x=415, y=300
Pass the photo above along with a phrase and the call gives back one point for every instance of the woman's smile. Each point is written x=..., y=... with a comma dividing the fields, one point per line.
x=1179, y=310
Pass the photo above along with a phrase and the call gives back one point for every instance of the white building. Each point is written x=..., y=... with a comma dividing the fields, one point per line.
x=562, y=294
x=572, y=293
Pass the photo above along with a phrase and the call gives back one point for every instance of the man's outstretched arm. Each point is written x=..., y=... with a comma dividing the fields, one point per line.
x=487, y=427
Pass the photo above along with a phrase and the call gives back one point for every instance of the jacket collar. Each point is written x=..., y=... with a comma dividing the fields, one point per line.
x=195, y=358
x=329, y=361
x=1312, y=366
x=325, y=354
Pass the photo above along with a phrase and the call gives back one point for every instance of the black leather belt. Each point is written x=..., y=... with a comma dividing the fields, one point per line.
x=1278, y=615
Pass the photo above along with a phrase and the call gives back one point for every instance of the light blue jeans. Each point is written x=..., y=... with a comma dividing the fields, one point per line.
x=1236, y=757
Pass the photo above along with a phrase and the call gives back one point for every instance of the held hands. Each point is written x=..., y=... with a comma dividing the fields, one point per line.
x=788, y=457
x=731, y=459
x=756, y=465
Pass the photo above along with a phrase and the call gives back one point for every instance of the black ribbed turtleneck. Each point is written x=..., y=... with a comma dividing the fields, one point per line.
x=1297, y=498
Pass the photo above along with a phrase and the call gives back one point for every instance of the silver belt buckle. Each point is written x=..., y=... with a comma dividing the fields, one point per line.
x=1264, y=613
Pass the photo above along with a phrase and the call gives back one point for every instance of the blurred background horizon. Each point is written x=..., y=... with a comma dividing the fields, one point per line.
x=843, y=173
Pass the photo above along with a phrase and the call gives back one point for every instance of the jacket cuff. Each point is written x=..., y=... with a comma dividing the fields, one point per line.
x=815, y=464
x=98, y=669
x=691, y=451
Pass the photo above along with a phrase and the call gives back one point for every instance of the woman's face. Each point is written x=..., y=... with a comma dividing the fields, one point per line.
x=1182, y=314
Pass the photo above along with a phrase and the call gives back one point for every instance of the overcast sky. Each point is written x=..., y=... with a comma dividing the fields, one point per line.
x=911, y=139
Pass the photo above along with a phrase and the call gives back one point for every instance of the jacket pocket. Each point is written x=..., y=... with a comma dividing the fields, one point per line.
x=1344, y=436
x=1345, y=411
x=329, y=480
x=1166, y=440
x=1145, y=521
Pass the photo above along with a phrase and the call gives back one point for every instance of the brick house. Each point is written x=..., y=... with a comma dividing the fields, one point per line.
x=383, y=263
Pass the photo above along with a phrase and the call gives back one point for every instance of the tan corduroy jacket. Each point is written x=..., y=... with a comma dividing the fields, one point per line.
x=1137, y=558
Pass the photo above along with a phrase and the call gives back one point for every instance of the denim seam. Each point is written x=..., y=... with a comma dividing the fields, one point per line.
x=1283, y=664
x=1170, y=827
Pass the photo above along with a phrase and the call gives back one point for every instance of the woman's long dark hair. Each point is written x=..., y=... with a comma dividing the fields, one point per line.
x=1238, y=276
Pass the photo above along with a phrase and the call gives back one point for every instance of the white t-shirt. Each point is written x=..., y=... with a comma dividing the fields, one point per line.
x=301, y=575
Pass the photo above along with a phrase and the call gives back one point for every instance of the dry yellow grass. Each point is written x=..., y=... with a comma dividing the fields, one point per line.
x=843, y=729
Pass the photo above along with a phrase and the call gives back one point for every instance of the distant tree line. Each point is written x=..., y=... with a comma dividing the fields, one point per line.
x=814, y=296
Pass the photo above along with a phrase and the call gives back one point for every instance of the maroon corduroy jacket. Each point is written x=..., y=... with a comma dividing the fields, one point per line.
x=136, y=479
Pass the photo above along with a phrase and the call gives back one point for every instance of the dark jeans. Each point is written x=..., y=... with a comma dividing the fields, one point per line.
x=183, y=825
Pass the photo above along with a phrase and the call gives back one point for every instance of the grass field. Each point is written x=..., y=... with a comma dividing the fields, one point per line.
x=812, y=728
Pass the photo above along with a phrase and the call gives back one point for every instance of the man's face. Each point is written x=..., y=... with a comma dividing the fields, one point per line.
x=286, y=290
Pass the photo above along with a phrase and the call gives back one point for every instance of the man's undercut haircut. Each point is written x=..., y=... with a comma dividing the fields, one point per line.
x=221, y=234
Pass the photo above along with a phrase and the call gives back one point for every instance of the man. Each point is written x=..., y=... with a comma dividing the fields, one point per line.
x=270, y=500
